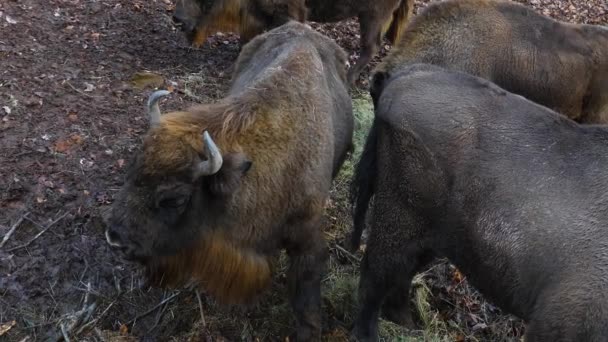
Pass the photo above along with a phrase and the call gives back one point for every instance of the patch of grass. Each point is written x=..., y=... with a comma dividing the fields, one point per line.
x=339, y=291
x=363, y=111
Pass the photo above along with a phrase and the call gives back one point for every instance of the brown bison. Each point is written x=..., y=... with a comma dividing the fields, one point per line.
x=220, y=188
x=461, y=168
x=200, y=18
x=559, y=65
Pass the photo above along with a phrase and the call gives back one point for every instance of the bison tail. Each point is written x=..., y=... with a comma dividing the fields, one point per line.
x=399, y=20
x=362, y=186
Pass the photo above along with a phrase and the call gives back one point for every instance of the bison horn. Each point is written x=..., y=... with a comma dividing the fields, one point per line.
x=153, y=109
x=214, y=162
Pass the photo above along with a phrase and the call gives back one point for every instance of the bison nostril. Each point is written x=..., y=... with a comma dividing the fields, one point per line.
x=113, y=238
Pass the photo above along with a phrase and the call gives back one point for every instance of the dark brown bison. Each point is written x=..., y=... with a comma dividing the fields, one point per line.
x=514, y=194
x=220, y=188
x=200, y=18
x=559, y=65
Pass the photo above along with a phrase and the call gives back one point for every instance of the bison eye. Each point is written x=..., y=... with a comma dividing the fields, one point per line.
x=172, y=202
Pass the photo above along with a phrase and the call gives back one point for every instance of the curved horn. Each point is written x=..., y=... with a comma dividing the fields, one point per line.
x=152, y=107
x=214, y=162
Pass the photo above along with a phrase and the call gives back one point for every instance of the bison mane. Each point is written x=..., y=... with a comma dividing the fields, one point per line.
x=231, y=274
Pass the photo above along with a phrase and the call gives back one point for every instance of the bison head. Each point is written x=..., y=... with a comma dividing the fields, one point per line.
x=201, y=18
x=179, y=199
x=174, y=189
x=186, y=16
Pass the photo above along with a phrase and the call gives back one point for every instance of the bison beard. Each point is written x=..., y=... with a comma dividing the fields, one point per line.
x=231, y=274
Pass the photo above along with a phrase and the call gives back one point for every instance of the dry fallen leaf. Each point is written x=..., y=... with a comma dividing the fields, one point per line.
x=10, y=20
x=457, y=276
x=143, y=80
x=76, y=139
x=62, y=146
x=5, y=327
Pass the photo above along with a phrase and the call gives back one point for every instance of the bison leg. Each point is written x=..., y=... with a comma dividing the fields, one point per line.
x=396, y=307
x=371, y=38
x=391, y=260
x=307, y=253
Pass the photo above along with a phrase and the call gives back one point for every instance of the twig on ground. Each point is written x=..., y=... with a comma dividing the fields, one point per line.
x=78, y=317
x=64, y=333
x=348, y=254
x=99, y=334
x=12, y=230
x=82, y=92
x=153, y=309
x=159, y=316
x=86, y=296
x=200, y=306
x=85, y=326
x=39, y=234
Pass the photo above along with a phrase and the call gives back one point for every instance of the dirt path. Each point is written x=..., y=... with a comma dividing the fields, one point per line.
x=70, y=120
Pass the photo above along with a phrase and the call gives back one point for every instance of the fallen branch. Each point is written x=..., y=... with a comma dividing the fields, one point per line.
x=159, y=317
x=200, y=306
x=64, y=333
x=153, y=309
x=78, y=318
x=38, y=235
x=348, y=254
x=82, y=92
x=99, y=334
x=91, y=323
x=12, y=230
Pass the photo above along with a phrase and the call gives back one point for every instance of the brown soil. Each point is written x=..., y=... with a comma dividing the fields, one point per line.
x=70, y=120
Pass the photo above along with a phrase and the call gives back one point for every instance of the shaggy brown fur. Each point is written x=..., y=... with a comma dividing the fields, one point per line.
x=200, y=18
x=241, y=275
x=559, y=65
x=283, y=132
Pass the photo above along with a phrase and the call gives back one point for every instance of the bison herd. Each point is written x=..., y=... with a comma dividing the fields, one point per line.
x=488, y=147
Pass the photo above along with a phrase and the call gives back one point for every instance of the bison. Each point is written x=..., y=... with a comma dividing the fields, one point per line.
x=221, y=188
x=559, y=65
x=511, y=192
x=200, y=18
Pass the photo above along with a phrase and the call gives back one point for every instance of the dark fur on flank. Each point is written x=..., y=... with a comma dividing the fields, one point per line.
x=201, y=18
x=511, y=192
x=283, y=131
x=560, y=65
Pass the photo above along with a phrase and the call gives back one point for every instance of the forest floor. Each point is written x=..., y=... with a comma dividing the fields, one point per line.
x=74, y=76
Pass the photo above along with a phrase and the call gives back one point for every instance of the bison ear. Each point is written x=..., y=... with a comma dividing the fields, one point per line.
x=228, y=179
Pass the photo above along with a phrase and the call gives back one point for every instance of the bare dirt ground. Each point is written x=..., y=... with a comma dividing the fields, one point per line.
x=74, y=75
